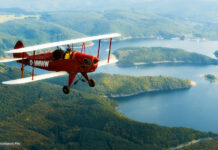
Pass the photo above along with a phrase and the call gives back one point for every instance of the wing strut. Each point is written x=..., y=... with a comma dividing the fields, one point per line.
x=34, y=53
x=109, y=50
x=83, y=48
x=22, y=66
x=99, y=46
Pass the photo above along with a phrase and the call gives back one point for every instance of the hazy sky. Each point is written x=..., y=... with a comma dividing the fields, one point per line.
x=157, y=5
x=67, y=4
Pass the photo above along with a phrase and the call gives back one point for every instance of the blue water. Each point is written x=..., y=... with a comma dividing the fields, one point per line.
x=193, y=108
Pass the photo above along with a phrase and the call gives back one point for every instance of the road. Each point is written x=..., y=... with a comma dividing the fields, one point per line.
x=190, y=143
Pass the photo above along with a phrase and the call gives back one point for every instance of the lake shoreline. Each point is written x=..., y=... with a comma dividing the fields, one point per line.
x=192, y=83
x=182, y=107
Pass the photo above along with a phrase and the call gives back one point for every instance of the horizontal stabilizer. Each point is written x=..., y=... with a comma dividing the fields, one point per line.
x=54, y=44
x=10, y=60
x=36, y=78
x=105, y=62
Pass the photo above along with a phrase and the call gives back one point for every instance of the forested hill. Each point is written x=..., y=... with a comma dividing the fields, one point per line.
x=41, y=27
x=120, y=85
x=40, y=116
x=32, y=31
x=130, y=56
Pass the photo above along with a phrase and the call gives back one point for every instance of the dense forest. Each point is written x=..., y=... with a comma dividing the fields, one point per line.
x=40, y=116
x=130, y=56
x=116, y=85
x=135, y=23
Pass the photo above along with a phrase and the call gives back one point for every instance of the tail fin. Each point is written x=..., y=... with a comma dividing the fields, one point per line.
x=18, y=45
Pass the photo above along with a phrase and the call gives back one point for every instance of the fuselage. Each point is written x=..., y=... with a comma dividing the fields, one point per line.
x=57, y=60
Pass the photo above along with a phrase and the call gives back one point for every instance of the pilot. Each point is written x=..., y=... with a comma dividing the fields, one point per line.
x=68, y=53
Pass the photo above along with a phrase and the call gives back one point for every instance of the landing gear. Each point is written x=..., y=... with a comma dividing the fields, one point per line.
x=66, y=90
x=92, y=83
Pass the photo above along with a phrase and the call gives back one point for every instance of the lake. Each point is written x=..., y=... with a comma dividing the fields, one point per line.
x=195, y=108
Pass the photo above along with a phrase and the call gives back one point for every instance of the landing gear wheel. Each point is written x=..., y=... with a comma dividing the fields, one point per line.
x=66, y=90
x=92, y=83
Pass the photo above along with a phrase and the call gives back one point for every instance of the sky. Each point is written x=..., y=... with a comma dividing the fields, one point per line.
x=162, y=6
x=68, y=4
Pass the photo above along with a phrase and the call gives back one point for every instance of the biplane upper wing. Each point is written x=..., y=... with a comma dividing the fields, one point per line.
x=54, y=44
x=36, y=78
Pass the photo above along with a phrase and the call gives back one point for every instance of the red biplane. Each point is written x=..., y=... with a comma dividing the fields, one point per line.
x=62, y=62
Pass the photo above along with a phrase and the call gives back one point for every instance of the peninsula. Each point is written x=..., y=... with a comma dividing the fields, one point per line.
x=121, y=85
x=131, y=56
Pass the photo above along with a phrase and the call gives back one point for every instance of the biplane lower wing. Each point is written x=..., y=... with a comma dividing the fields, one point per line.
x=10, y=60
x=36, y=78
x=50, y=75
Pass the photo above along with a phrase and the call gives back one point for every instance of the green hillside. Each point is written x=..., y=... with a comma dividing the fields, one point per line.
x=130, y=56
x=129, y=22
x=116, y=85
x=40, y=116
x=32, y=31
x=55, y=26
x=133, y=23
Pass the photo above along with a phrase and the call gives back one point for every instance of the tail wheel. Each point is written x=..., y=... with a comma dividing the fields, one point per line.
x=92, y=83
x=66, y=90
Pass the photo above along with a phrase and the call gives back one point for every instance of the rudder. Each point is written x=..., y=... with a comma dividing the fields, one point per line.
x=18, y=45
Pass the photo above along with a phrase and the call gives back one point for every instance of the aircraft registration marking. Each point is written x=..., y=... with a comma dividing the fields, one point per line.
x=40, y=63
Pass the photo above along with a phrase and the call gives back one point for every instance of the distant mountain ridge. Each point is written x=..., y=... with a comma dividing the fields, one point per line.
x=163, y=6
x=131, y=23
